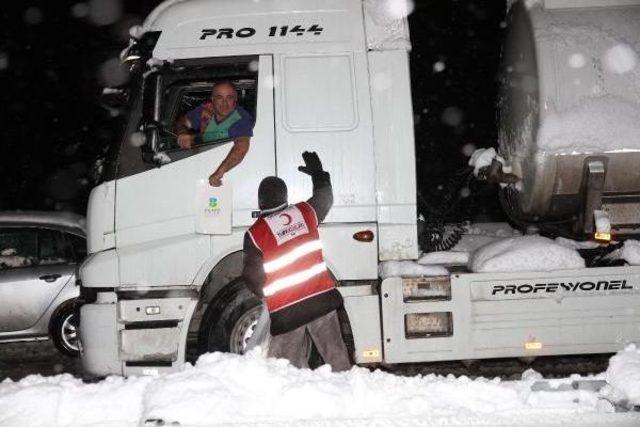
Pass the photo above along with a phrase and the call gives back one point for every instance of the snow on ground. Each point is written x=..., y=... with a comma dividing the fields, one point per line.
x=623, y=375
x=228, y=389
x=631, y=252
x=524, y=253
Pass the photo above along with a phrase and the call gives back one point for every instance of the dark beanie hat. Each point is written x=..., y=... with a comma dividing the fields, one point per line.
x=272, y=193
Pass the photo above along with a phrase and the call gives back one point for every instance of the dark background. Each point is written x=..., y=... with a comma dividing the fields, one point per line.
x=55, y=57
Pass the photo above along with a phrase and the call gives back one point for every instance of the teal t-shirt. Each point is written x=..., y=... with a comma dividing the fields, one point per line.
x=238, y=123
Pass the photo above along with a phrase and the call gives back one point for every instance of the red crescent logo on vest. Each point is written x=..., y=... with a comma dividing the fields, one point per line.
x=287, y=218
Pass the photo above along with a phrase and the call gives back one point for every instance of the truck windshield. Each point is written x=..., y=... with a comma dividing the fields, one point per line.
x=120, y=127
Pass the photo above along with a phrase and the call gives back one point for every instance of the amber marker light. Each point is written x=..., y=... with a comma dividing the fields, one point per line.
x=602, y=237
x=533, y=345
x=363, y=236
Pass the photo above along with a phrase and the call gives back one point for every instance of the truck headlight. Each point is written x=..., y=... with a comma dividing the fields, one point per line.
x=427, y=325
x=426, y=288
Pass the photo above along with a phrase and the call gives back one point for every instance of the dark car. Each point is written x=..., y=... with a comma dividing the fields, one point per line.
x=39, y=252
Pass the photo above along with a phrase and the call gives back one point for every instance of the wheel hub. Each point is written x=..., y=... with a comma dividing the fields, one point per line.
x=243, y=330
x=69, y=333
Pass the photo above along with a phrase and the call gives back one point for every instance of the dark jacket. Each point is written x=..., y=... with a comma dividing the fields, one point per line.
x=254, y=277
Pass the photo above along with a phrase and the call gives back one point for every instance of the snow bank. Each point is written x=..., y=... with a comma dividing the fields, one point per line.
x=409, y=268
x=525, y=253
x=481, y=234
x=623, y=375
x=631, y=252
x=444, y=257
x=597, y=124
x=227, y=389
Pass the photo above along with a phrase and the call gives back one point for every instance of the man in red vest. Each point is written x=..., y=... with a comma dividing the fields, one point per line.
x=283, y=264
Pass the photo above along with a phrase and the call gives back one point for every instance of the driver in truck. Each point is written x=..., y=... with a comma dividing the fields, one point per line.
x=284, y=265
x=219, y=119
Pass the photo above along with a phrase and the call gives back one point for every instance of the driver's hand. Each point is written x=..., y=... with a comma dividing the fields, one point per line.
x=215, y=180
x=185, y=140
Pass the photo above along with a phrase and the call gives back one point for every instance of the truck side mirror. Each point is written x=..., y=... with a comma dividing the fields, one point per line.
x=148, y=139
x=151, y=128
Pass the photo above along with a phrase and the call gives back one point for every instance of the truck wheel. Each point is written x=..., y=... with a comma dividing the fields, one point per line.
x=229, y=320
x=63, y=330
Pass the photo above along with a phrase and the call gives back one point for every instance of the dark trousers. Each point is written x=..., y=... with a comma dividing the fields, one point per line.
x=324, y=332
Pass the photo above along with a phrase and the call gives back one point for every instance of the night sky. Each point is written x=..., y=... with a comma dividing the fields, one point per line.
x=55, y=57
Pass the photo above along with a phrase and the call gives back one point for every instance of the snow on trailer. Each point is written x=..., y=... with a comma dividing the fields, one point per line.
x=507, y=295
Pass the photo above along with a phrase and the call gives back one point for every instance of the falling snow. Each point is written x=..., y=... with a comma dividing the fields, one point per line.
x=112, y=73
x=104, y=12
x=620, y=59
x=80, y=10
x=4, y=61
x=577, y=60
x=452, y=116
x=33, y=16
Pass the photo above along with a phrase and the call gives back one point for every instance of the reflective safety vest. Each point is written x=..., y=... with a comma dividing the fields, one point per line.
x=292, y=253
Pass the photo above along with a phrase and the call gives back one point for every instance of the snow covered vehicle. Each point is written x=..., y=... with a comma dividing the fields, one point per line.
x=163, y=277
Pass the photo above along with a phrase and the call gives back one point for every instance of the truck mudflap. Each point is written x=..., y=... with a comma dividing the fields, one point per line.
x=136, y=332
x=520, y=314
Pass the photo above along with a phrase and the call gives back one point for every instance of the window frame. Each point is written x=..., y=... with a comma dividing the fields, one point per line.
x=187, y=73
x=37, y=229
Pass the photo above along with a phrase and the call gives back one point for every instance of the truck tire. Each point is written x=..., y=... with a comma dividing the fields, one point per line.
x=63, y=330
x=229, y=320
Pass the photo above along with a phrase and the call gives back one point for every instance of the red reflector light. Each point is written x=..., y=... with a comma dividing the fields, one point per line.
x=363, y=236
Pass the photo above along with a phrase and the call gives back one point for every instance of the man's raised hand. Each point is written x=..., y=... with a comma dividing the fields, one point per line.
x=312, y=163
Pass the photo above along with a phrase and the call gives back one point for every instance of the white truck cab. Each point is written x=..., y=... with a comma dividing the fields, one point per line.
x=331, y=76
x=324, y=76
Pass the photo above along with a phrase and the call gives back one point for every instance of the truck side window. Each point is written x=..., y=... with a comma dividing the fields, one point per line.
x=327, y=104
x=188, y=90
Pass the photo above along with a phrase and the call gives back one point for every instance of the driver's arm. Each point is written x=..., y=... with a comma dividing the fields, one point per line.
x=233, y=159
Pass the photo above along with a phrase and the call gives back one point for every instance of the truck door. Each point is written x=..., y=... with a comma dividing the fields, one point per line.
x=155, y=208
x=323, y=105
